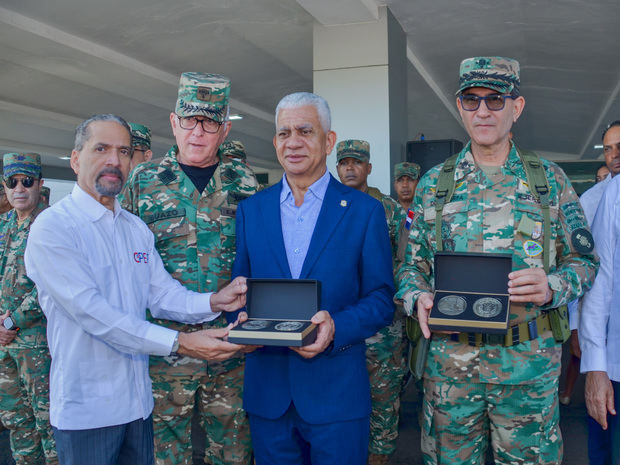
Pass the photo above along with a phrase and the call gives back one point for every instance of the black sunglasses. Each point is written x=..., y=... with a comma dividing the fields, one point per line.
x=27, y=182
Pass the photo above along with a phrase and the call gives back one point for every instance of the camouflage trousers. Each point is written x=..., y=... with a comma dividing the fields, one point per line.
x=218, y=393
x=387, y=365
x=24, y=404
x=520, y=420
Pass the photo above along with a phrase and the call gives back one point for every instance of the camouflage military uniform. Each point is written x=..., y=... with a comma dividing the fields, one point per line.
x=25, y=362
x=385, y=355
x=195, y=236
x=487, y=214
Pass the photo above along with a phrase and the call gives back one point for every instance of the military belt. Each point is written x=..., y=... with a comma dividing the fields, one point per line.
x=516, y=334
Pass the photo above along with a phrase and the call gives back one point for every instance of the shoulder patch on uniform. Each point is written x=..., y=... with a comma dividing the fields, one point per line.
x=582, y=241
x=574, y=215
x=166, y=176
x=174, y=213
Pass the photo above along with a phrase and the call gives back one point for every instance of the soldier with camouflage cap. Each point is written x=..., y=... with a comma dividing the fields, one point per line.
x=233, y=149
x=500, y=386
x=189, y=201
x=385, y=350
x=24, y=355
x=406, y=176
x=141, y=142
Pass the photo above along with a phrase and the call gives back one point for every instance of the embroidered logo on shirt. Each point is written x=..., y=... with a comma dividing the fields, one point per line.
x=141, y=257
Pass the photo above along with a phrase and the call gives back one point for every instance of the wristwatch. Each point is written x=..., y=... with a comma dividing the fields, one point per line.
x=175, y=345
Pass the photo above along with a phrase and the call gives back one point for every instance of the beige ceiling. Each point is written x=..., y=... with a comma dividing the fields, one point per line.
x=63, y=60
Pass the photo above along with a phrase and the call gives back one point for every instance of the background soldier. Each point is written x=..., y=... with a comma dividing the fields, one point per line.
x=386, y=350
x=505, y=386
x=5, y=206
x=141, y=142
x=189, y=201
x=233, y=150
x=406, y=176
x=24, y=355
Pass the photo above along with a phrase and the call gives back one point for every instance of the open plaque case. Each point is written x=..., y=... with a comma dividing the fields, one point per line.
x=471, y=292
x=279, y=313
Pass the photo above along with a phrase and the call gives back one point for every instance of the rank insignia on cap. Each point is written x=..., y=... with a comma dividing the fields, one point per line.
x=343, y=203
x=409, y=219
x=204, y=94
x=532, y=248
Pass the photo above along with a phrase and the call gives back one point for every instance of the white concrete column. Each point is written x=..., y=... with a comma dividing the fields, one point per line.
x=361, y=70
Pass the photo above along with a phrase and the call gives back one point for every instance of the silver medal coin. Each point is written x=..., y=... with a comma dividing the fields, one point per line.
x=487, y=307
x=452, y=305
x=255, y=324
x=289, y=326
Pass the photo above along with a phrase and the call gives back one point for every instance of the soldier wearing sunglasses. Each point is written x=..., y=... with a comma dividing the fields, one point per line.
x=24, y=355
x=498, y=387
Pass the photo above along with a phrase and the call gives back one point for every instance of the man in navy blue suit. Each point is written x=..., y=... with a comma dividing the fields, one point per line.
x=312, y=404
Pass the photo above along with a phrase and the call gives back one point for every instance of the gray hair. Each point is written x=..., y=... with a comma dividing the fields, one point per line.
x=303, y=99
x=82, y=132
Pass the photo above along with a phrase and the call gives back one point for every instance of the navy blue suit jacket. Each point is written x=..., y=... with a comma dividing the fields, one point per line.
x=350, y=254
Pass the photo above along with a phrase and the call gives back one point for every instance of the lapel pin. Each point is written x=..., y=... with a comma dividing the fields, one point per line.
x=343, y=203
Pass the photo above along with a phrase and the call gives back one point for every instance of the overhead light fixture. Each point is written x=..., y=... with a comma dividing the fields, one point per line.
x=234, y=117
x=65, y=158
x=598, y=146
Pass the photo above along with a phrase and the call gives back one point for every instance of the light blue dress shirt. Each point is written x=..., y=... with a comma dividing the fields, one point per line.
x=599, y=326
x=298, y=222
x=589, y=202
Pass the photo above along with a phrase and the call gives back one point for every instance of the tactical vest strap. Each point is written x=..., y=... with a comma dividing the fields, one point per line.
x=539, y=187
x=443, y=193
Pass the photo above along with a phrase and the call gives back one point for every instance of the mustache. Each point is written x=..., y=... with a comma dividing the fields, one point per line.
x=114, y=171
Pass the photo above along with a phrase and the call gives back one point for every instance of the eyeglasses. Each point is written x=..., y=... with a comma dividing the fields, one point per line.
x=494, y=102
x=190, y=122
x=27, y=182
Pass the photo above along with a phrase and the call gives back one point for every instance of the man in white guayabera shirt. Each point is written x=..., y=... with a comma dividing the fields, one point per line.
x=97, y=271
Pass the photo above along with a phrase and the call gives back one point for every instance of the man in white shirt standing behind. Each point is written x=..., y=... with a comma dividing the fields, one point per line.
x=97, y=271
x=599, y=326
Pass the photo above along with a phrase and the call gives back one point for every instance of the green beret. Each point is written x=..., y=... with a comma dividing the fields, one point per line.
x=22, y=163
x=234, y=149
x=496, y=73
x=353, y=148
x=406, y=169
x=202, y=94
x=140, y=136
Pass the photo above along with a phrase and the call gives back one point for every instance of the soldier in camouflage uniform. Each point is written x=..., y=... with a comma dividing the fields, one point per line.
x=5, y=206
x=189, y=201
x=141, y=143
x=502, y=387
x=385, y=351
x=24, y=355
x=234, y=150
x=406, y=177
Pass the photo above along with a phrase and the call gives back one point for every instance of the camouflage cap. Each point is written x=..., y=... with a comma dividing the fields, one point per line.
x=234, y=149
x=406, y=169
x=496, y=73
x=22, y=163
x=203, y=94
x=140, y=135
x=353, y=148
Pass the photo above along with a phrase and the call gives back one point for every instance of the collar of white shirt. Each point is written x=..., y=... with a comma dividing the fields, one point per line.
x=88, y=205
